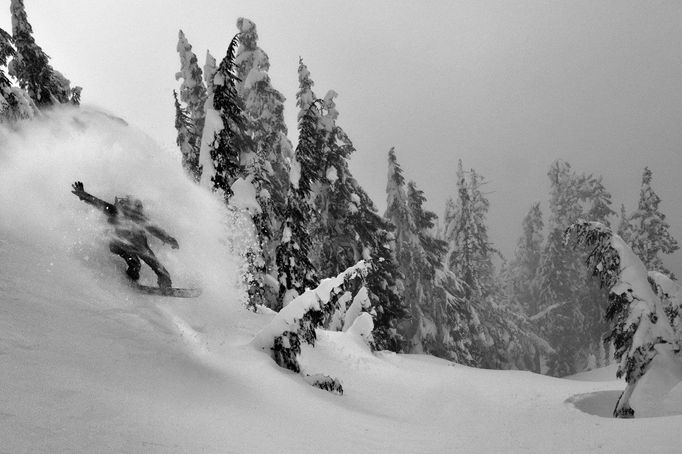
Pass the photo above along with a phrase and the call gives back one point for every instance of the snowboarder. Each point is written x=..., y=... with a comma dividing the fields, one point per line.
x=130, y=239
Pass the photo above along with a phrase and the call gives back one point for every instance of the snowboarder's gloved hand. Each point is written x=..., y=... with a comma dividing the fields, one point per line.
x=173, y=243
x=78, y=189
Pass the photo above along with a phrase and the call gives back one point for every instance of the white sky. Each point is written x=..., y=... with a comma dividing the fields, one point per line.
x=507, y=86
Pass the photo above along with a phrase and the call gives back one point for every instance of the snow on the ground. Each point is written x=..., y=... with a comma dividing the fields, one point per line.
x=88, y=365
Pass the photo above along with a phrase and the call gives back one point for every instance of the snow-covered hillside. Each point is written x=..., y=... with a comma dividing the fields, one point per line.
x=88, y=365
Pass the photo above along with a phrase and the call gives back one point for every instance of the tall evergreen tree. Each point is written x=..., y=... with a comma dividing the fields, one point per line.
x=15, y=103
x=492, y=335
x=30, y=65
x=571, y=316
x=229, y=143
x=296, y=271
x=470, y=258
x=346, y=225
x=524, y=291
x=227, y=159
x=270, y=163
x=374, y=238
x=191, y=117
x=187, y=140
x=411, y=258
x=651, y=237
x=625, y=227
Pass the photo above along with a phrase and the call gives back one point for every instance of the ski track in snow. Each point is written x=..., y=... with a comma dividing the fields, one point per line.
x=88, y=365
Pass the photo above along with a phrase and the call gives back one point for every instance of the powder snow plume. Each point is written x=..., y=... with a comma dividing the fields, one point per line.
x=40, y=159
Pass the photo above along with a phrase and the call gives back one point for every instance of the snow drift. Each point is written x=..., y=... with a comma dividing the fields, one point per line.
x=88, y=365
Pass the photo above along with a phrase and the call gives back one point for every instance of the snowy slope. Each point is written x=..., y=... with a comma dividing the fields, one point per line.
x=87, y=365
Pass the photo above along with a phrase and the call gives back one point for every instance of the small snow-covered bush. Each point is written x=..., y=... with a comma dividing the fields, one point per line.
x=333, y=385
x=335, y=304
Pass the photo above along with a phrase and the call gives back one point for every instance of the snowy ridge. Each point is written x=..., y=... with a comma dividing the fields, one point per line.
x=88, y=365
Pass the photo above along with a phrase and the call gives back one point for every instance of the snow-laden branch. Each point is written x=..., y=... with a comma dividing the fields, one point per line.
x=335, y=304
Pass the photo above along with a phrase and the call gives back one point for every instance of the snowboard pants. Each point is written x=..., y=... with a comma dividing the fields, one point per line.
x=132, y=253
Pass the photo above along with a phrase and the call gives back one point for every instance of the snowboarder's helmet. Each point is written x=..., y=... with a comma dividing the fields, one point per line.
x=131, y=207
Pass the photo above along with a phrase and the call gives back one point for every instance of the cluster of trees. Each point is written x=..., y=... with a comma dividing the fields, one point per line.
x=433, y=287
x=311, y=217
x=28, y=82
x=547, y=281
x=444, y=291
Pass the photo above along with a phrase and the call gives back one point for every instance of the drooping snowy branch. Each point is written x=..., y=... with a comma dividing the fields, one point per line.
x=335, y=304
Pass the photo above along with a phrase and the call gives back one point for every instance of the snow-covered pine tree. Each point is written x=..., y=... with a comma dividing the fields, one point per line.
x=419, y=254
x=230, y=143
x=227, y=157
x=193, y=94
x=397, y=210
x=436, y=299
x=6, y=51
x=640, y=326
x=471, y=255
x=570, y=315
x=346, y=226
x=30, y=65
x=488, y=334
x=335, y=239
x=270, y=164
x=524, y=291
x=15, y=103
x=295, y=270
x=651, y=237
x=374, y=241
x=625, y=227
x=597, y=208
x=186, y=136
x=469, y=258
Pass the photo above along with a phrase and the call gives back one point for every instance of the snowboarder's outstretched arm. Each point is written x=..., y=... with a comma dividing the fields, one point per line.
x=162, y=235
x=79, y=191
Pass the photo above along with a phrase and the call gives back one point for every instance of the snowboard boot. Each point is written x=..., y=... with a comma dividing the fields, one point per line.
x=164, y=282
x=133, y=270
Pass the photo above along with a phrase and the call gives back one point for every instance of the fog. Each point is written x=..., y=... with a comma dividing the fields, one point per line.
x=508, y=87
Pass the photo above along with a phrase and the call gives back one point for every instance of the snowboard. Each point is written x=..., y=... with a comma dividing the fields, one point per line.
x=173, y=291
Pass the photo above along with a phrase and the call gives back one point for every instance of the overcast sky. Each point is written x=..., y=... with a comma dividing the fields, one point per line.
x=506, y=86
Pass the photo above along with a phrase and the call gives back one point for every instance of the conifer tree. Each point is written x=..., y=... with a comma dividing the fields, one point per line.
x=229, y=142
x=471, y=256
x=212, y=126
x=625, y=227
x=470, y=259
x=640, y=314
x=525, y=292
x=570, y=319
x=269, y=166
x=419, y=255
x=15, y=103
x=30, y=65
x=374, y=237
x=406, y=247
x=226, y=159
x=335, y=240
x=346, y=225
x=489, y=334
x=296, y=271
x=651, y=236
x=191, y=117
x=187, y=140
